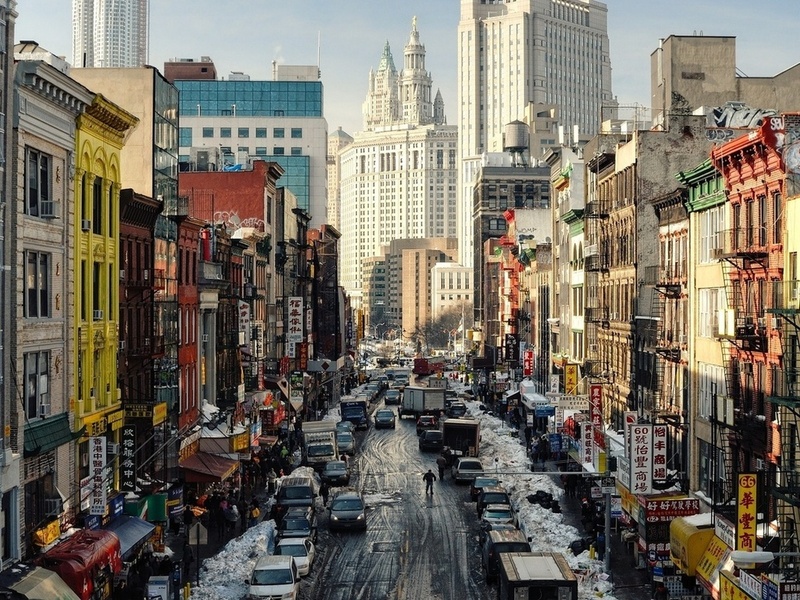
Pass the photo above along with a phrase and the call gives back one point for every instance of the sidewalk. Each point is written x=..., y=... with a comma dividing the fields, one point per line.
x=629, y=583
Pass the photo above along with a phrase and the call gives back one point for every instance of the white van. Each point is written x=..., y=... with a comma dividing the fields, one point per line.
x=274, y=577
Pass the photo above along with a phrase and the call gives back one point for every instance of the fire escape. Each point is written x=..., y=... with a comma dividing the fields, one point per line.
x=596, y=264
x=785, y=399
x=738, y=423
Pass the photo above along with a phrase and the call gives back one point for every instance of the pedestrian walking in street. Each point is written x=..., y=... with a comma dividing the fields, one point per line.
x=324, y=491
x=441, y=462
x=429, y=478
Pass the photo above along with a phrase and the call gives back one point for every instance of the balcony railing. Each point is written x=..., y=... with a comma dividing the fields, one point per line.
x=745, y=241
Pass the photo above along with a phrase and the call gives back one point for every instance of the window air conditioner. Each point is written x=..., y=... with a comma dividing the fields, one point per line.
x=759, y=464
x=774, y=322
x=122, y=345
x=44, y=410
x=112, y=448
x=205, y=337
x=122, y=274
x=97, y=315
x=86, y=225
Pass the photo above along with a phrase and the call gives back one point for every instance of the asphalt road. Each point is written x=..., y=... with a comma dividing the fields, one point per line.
x=415, y=546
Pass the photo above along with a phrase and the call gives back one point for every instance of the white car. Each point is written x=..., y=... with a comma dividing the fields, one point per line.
x=274, y=577
x=303, y=551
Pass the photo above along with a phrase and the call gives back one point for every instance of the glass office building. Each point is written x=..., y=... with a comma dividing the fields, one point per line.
x=278, y=121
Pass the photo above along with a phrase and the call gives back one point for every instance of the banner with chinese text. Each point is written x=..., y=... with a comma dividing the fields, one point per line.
x=746, y=512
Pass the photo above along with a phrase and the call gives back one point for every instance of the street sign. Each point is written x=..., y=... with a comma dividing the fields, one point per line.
x=608, y=485
x=199, y=535
x=569, y=402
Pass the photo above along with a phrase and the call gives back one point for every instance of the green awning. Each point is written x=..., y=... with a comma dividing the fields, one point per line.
x=43, y=435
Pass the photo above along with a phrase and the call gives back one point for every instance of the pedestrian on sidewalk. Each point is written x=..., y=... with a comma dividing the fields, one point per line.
x=187, y=559
x=255, y=513
x=429, y=478
x=272, y=476
x=661, y=592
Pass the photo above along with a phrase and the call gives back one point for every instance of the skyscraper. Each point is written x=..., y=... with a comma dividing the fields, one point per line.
x=399, y=177
x=513, y=53
x=110, y=33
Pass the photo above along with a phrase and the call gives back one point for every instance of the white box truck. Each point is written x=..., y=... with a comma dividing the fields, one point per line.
x=421, y=401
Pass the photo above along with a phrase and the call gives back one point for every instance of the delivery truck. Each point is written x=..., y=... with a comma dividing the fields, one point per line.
x=319, y=443
x=421, y=401
x=462, y=436
x=354, y=409
x=536, y=575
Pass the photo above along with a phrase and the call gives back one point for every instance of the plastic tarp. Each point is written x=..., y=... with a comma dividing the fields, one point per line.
x=84, y=560
x=132, y=533
x=36, y=583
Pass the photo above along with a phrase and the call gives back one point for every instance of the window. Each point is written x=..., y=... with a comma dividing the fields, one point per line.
x=97, y=206
x=297, y=151
x=297, y=132
x=185, y=136
x=261, y=151
x=261, y=132
x=225, y=132
x=278, y=132
x=777, y=214
x=243, y=132
x=38, y=200
x=208, y=132
x=278, y=150
x=37, y=285
x=37, y=384
x=712, y=386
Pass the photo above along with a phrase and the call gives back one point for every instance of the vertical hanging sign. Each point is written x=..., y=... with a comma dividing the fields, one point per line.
x=596, y=413
x=659, y=452
x=294, y=328
x=97, y=467
x=127, y=458
x=571, y=379
x=641, y=439
x=588, y=443
x=746, y=512
x=527, y=363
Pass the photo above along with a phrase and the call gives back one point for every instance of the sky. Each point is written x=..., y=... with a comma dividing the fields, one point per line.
x=346, y=38
x=223, y=575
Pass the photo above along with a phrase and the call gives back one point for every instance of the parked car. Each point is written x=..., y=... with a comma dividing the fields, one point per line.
x=492, y=495
x=479, y=483
x=430, y=440
x=495, y=544
x=426, y=422
x=299, y=522
x=392, y=396
x=274, y=577
x=466, y=469
x=336, y=473
x=486, y=528
x=384, y=419
x=347, y=511
x=457, y=409
x=499, y=513
x=301, y=549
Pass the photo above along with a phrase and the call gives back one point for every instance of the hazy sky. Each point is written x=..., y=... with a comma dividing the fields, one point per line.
x=346, y=38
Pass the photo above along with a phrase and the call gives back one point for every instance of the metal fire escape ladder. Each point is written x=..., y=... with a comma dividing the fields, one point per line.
x=786, y=401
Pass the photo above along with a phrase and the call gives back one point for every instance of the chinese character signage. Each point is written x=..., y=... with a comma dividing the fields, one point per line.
x=641, y=437
x=746, y=513
x=596, y=413
x=555, y=382
x=587, y=438
x=127, y=458
x=97, y=466
x=512, y=347
x=527, y=363
x=571, y=379
x=244, y=321
x=294, y=326
x=659, y=452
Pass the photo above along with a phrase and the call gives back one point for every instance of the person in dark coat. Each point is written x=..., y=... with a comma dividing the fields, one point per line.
x=441, y=462
x=324, y=491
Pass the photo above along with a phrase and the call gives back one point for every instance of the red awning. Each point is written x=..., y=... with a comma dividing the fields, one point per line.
x=203, y=467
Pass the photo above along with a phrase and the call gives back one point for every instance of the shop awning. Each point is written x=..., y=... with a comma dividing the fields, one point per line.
x=36, y=583
x=688, y=539
x=716, y=557
x=203, y=467
x=267, y=440
x=43, y=435
x=132, y=532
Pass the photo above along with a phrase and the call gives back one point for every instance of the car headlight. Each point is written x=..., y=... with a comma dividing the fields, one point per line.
x=334, y=517
x=360, y=517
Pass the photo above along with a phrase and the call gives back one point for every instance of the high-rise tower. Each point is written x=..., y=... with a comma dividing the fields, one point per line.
x=110, y=33
x=511, y=54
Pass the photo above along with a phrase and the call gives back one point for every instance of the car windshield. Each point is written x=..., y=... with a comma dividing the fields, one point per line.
x=470, y=465
x=321, y=450
x=271, y=577
x=347, y=504
x=433, y=435
x=294, y=524
x=485, y=481
x=335, y=466
x=385, y=414
x=495, y=497
x=291, y=550
x=296, y=493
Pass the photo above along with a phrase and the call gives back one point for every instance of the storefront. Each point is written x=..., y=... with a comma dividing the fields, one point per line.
x=203, y=467
x=133, y=534
x=700, y=546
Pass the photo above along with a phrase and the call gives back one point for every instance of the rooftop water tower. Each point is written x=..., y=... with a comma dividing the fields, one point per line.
x=516, y=139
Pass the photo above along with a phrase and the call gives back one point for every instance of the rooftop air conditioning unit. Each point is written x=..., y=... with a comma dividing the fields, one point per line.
x=86, y=225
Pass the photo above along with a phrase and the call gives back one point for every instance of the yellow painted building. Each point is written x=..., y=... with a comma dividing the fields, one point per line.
x=101, y=133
